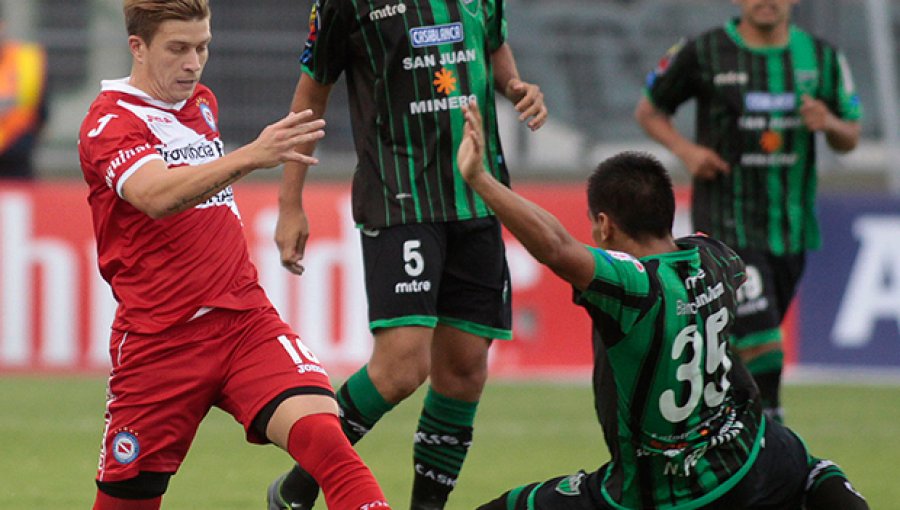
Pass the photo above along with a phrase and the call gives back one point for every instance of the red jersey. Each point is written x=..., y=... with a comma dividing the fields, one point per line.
x=162, y=272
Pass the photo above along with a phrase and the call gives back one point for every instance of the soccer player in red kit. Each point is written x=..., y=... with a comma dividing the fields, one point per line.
x=193, y=328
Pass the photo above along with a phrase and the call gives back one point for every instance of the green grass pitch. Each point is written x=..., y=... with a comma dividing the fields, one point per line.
x=50, y=430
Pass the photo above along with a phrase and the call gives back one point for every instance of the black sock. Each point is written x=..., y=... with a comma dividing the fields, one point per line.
x=441, y=444
x=766, y=371
x=300, y=487
x=361, y=405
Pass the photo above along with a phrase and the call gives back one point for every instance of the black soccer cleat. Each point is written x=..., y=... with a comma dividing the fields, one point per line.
x=276, y=500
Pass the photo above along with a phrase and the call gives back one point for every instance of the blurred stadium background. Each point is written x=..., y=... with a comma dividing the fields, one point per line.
x=590, y=57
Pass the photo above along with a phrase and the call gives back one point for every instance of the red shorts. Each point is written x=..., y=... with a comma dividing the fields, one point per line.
x=162, y=385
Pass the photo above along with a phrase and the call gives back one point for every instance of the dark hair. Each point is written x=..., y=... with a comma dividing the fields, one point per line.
x=635, y=191
x=143, y=17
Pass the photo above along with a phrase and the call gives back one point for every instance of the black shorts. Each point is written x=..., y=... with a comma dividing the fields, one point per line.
x=452, y=273
x=776, y=480
x=765, y=297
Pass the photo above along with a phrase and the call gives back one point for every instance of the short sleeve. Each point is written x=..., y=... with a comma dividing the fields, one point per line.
x=620, y=292
x=325, y=54
x=675, y=79
x=114, y=145
x=848, y=105
x=495, y=21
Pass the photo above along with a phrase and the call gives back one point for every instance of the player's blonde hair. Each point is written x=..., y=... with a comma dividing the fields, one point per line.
x=143, y=17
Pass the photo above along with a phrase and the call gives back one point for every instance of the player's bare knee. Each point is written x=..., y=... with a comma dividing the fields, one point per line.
x=399, y=384
x=146, y=485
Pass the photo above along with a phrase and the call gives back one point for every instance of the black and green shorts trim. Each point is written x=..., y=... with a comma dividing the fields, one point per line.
x=451, y=273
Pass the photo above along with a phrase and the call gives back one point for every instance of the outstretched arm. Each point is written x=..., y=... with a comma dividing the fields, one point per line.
x=159, y=191
x=538, y=230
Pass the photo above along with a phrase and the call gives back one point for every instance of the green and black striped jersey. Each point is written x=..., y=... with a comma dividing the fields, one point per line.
x=411, y=65
x=748, y=102
x=679, y=413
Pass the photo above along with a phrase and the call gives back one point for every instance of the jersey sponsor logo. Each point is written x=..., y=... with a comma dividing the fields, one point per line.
x=422, y=37
x=101, y=125
x=387, y=11
x=159, y=119
x=207, y=113
x=123, y=156
x=125, y=447
x=762, y=122
x=731, y=78
x=441, y=104
x=444, y=81
x=771, y=141
x=778, y=159
x=571, y=485
x=768, y=102
x=225, y=198
x=444, y=59
x=708, y=296
x=194, y=153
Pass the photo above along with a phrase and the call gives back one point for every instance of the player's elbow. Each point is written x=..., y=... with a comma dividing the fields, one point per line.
x=645, y=113
x=845, y=145
x=154, y=205
x=844, y=140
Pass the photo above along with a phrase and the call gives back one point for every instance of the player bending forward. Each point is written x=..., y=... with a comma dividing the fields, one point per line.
x=194, y=329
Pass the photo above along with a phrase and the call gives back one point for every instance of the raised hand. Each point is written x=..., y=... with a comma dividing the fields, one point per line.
x=470, y=155
x=277, y=142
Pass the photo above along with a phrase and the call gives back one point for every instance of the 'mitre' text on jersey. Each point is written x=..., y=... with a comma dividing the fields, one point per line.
x=411, y=67
x=748, y=102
